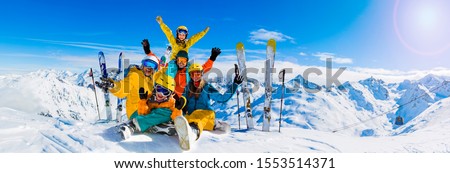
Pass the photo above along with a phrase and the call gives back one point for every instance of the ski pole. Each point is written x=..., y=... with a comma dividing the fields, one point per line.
x=95, y=92
x=283, y=72
x=239, y=114
x=236, y=71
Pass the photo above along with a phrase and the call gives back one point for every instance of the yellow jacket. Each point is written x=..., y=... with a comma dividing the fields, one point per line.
x=145, y=107
x=129, y=88
x=185, y=45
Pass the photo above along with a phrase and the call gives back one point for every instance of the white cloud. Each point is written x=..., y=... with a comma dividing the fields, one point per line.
x=22, y=55
x=227, y=57
x=89, y=45
x=339, y=60
x=303, y=54
x=261, y=36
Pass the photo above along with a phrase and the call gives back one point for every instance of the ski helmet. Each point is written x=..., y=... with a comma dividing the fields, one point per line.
x=166, y=82
x=182, y=29
x=195, y=67
x=150, y=61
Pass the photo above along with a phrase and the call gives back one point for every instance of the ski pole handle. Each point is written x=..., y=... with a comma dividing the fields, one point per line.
x=282, y=74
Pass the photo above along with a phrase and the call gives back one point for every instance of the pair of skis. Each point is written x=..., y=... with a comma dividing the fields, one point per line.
x=269, y=64
x=118, y=76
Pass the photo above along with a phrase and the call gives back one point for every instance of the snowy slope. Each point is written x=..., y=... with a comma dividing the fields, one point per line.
x=54, y=111
x=22, y=132
x=434, y=118
x=324, y=111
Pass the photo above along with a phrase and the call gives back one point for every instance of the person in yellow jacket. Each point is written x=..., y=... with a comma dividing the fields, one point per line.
x=138, y=77
x=180, y=42
x=155, y=108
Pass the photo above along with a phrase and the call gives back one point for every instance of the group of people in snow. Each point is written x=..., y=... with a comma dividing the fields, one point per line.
x=172, y=98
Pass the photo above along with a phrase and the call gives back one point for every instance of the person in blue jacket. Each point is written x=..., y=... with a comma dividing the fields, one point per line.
x=199, y=93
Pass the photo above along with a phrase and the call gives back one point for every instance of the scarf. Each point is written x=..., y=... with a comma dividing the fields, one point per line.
x=180, y=43
x=195, y=88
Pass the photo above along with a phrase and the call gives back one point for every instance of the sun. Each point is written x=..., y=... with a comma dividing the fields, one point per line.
x=423, y=26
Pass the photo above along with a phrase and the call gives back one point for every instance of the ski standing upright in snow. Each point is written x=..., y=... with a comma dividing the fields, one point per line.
x=270, y=57
x=245, y=85
x=104, y=74
x=120, y=76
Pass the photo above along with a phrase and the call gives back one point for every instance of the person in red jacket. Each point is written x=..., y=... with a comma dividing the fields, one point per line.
x=177, y=68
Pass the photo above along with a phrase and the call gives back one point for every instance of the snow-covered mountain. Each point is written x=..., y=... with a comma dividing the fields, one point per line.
x=51, y=93
x=417, y=96
x=55, y=111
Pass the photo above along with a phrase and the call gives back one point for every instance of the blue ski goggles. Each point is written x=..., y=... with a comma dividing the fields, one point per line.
x=164, y=91
x=150, y=64
x=182, y=31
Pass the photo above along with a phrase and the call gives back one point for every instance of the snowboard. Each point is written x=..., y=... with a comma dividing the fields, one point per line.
x=269, y=63
x=245, y=85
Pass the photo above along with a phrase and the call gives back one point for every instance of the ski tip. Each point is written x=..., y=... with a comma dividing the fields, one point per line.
x=272, y=43
x=240, y=46
x=120, y=54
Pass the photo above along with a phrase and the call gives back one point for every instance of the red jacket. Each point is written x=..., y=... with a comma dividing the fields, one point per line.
x=181, y=77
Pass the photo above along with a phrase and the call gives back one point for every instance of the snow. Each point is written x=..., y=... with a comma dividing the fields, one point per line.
x=55, y=111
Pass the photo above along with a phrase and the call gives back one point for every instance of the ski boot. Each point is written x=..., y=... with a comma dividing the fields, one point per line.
x=222, y=126
x=127, y=129
x=164, y=128
x=186, y=136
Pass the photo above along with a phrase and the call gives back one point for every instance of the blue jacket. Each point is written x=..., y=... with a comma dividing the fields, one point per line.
x=207, y=94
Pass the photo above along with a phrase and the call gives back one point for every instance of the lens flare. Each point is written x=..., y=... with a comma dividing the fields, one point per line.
x=423, y=27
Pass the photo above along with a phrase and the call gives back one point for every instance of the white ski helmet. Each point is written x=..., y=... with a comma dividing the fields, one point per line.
x=150, y=61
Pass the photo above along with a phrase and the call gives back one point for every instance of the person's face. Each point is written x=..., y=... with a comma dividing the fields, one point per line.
x=160, y=97
x=162, y=93
x=147, y=71
x=182, y=62
x=196, y=76
x=181, y=36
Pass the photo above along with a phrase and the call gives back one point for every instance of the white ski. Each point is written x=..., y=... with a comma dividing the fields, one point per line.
x=245, y=85
x=270, y=57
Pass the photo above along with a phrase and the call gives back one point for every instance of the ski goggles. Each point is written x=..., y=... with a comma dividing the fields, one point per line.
x=164, y=91
x=196, y=74
x=182, y=60
x=150, y=64
x=182, y=31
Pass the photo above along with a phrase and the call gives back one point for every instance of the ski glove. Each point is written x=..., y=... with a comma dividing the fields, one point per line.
x=214, y=53
x=159, y=19
x=142, y=95
x=180, y=103
x=105, y=84
x=238, y=78
x=146, y=46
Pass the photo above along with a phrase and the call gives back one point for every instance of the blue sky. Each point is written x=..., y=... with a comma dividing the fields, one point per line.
x=381, y=34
